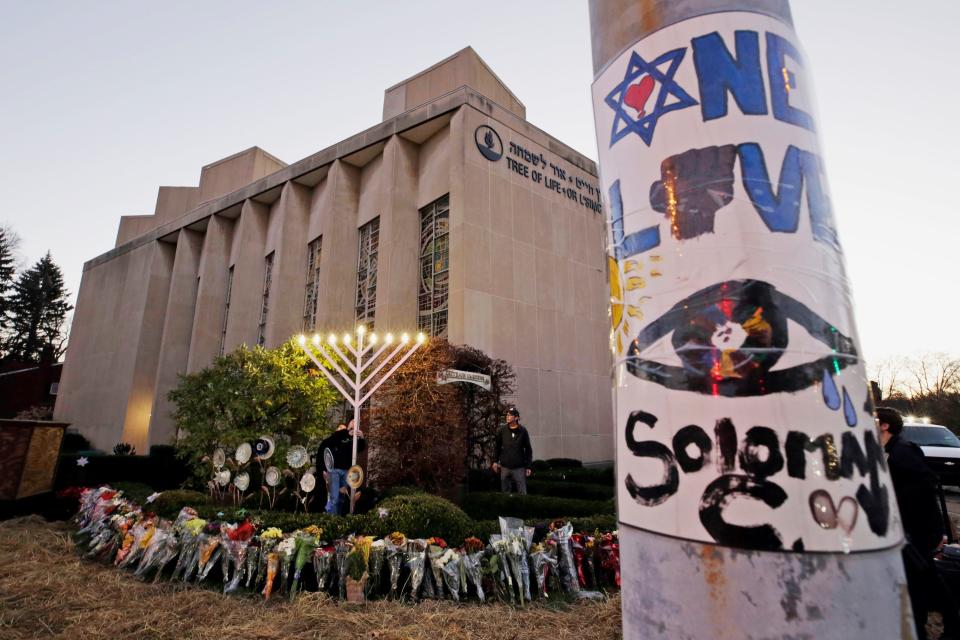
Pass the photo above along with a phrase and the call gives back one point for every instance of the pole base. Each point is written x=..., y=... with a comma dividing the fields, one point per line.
x=680, y=589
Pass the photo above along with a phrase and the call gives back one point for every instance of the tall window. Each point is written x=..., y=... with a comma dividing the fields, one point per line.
x=367, y=273
x=313, y=286
x=265, y=302
x=434, y=267
x=226, y=310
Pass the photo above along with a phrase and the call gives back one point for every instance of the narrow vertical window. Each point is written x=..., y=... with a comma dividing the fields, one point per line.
x=367, y=273
x=226, y=310
x=265, y=301
x=434, y=267
x=312, y=291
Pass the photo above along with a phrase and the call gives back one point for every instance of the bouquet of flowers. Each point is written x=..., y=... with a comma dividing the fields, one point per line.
x=544, y=558
x=473, y=549
x=436, y=548
x=394, y=545
x=253, y=562
x=450, y=568
x=305, y=542
x=416, y=563
x=189, y=540
x=208, y=550
x=341, y=549
x=286, y=548
x=378, y=551
x=560, y=534
x=269, y=539
x=322, y=559
x=516, y=537
x=235, y=541
x=273, y=564
x=163, y=548
x=141, y=533
x=610, y=556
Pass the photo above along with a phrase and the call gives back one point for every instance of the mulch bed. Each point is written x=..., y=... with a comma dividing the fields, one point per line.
x=47, y=590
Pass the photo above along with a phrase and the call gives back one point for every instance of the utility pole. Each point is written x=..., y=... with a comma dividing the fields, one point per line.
x=753, y=495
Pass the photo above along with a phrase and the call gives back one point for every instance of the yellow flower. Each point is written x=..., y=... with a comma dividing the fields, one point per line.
x=272, y=532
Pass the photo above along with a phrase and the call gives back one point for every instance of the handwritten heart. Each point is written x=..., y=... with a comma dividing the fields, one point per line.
x=638, y=94
x=829, y=516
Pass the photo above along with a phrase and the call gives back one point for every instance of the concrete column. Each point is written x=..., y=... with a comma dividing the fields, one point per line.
x=177, y=330
x=246, y=258
x=289, y=264
x=456, y=314
x=211, y=292
x=399, y=258
x=338, y=264
x=686, y=105
x=136, y=423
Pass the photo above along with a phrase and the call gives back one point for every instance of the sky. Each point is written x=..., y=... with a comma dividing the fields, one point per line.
x=102, y=102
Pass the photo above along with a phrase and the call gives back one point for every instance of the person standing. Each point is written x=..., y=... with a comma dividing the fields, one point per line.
x=915, y=486
x=513, y=454
x=340, y=446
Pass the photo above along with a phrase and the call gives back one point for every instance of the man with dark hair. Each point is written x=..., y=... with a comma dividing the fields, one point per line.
x=915, y=486
x=513, y=454
x=336, y=454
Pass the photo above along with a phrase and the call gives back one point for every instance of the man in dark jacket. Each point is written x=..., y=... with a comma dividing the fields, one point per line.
x=513, y=454
x=340, y=445
x=915, y=486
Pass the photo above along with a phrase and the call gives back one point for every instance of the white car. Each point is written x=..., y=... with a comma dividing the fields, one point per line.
x=940, y=446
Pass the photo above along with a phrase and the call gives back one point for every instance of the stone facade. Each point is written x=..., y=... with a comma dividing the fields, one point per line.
x=526, y=276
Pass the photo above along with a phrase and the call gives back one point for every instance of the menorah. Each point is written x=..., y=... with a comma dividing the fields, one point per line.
x=365, y=363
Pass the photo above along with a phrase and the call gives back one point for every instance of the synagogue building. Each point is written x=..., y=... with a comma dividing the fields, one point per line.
x=453, y=216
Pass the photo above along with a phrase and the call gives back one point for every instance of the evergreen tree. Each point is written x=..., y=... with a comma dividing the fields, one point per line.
x=38, y=313
x=8, y=246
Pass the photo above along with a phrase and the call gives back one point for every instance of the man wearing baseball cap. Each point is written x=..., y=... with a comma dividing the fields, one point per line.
x=513, y=454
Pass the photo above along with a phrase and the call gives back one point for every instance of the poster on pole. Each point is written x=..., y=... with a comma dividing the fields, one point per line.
x=743, y=414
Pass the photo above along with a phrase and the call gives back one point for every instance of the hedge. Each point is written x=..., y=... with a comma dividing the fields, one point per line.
x=556, y=463
x=563, y=489
x=490, y=505
x=592, y=475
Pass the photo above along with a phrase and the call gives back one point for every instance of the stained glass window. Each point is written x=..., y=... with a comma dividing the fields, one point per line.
x=434, y=267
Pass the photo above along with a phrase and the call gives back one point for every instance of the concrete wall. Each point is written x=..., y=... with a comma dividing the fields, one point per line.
x=529, y=269
x=462, y=68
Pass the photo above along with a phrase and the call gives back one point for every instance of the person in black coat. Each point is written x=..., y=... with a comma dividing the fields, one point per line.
x=513, y=454
x=916, y=487
x=340, y=445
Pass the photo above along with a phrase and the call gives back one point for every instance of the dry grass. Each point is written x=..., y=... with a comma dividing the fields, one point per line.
x=48, y=591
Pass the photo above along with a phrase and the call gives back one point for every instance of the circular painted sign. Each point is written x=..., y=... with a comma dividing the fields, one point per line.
x=489, y=143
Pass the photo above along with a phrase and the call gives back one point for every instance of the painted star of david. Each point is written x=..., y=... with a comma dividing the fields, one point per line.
x=644, y=125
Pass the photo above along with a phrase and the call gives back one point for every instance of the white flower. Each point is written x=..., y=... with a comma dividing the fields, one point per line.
x=82, y=461
x=286, y=546
x=153, y=496
x=383, y=513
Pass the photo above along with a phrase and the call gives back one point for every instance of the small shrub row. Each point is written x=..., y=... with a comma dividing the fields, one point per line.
x=564, y=489
x=490, y=505
x=556, y=463
x=591, y=475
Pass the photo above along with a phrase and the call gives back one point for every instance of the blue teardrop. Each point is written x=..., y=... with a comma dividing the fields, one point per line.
x=849, y=411
x=831, y=397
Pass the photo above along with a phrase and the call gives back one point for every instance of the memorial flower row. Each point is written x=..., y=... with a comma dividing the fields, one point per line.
x=510, y=567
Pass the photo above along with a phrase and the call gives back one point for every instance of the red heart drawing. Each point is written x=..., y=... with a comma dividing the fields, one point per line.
x=638, y=94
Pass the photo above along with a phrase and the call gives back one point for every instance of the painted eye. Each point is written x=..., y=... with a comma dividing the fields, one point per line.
x=728, y=339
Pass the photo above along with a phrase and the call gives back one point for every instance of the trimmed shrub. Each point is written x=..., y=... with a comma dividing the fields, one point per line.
x=420, y=516
x=562, y=489
x=490, y=505
x=135, y=491
x=169, y=503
